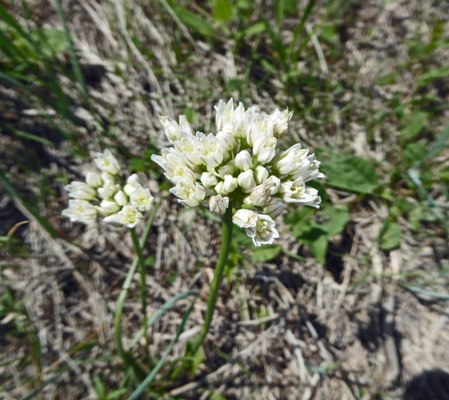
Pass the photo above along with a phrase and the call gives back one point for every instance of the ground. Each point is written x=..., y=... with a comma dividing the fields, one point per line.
x=354, y=312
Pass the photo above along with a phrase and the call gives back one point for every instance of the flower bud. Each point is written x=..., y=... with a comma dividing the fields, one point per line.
x=171, y=128
x=184, y=124
x=274, y=209
x=108, y=190
x=131, y=184
x=218, y=204
x=208, y=180
x=261, y=174
x=244, y=218
x=108, y=207
x=80, y=191
x=265, y=148
x=243, y=160
x=93, y=179
x=229, y=184
x=227, y=140
x=227, y=169
x=121, y=198
x=280, y=121
x=274, y=184
x=246, y=181
x=107, y=177
x=260, y=195
x=240, y=125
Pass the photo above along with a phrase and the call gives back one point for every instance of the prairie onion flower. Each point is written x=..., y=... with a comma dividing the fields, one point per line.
x=104, y=194
x=241, y=163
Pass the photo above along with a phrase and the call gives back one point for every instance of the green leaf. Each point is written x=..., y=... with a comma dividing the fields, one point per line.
x=433, y=74
x=195, y=22
x=415, y=125
x=350, y=173
x=414, y=151
x=339, y=218
x=51, y=41
x=318, y=243
x=255, y=29
x=389, y=236
x=190, y=114
x=265, y=253
x=137, y=164
x=240, y=237
x=223, y=10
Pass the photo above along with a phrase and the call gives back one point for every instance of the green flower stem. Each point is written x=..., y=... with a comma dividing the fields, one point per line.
x=127, y=284
x=226, y=238
x=143, y=291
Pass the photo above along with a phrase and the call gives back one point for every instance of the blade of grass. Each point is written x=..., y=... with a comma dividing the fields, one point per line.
x=167, y=306
x=76, y=67
x=141, y=388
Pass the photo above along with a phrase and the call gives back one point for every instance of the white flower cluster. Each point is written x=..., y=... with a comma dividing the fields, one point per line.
x=240, y=163
x=103, y=194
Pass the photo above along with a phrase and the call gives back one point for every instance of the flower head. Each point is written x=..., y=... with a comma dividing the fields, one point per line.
x=101, y=195
x=240, y=166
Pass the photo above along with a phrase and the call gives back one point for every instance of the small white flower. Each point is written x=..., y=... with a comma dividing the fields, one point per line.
x=240, y=122
x=292, y=161
x=208, y=179
x=108, y=207
x=218, y=204
x=243, y=160
x=227, y=140
x=259, y=195
x=274, y=184
x=262, y=174
x=265, y=149
x=142, y=199
x=227, y=186
x=190, y=194
x=297, y=192
x=308, y=171
x=108, y=190
x=224, y=115
x=227, y=169
x=264, y=232
x=81, y=191
x=121, y=198
x=128, y=216
x=93, y=179
x=80, y=210
x=259, y=127
x=106, y=177
x=280, y=122
x=185, y=148
x=209, y=150
x=244, y=218
x=246, y=181
x=107, y=162
x=274, y=209
x=131, y=184
x=259, y=227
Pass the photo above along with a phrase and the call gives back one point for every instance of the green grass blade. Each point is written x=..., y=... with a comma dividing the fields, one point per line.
x=30, y=136
x=167, y=306
x=293, y=57
x=141, y=388
x=76, y=67
x=440, y=144
x=435, y=295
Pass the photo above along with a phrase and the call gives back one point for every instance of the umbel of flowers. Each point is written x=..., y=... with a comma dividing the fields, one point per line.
x=241, y=163
x=108, y=195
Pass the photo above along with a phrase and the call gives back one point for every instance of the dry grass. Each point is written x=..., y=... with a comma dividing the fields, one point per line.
x=285, y=329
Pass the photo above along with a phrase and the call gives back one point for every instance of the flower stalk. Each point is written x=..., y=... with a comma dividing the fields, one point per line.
x=226, y=239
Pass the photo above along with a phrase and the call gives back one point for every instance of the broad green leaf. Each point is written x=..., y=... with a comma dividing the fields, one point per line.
x=223, y=10
x=433, y=74
x=318, y=247
x=195, y=22
x=339, y=217
x=414, y=151
x=415, y=125
x=389, y=236
x=265, y=253
x=350, y=173
x=317, y=240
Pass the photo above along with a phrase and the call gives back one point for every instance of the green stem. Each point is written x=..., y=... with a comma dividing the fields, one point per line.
x=127, y=284
x=143, y=292
x=226, y=238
